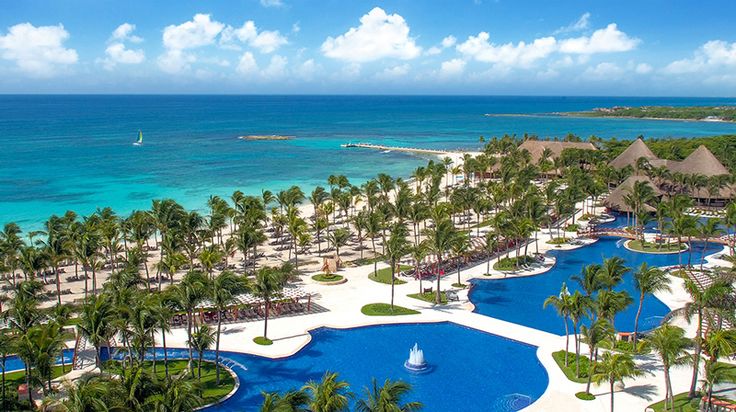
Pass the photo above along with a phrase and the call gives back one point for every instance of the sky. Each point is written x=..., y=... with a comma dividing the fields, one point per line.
x=485, y=47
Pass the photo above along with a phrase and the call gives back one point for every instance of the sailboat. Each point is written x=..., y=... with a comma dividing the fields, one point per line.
x=139, y=142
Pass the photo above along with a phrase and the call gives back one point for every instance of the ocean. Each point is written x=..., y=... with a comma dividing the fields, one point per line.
x=75, y=152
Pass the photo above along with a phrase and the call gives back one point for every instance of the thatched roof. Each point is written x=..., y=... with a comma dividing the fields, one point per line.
x=634, y=152
x=616, y=200
x=701, y=161
x=536, y=147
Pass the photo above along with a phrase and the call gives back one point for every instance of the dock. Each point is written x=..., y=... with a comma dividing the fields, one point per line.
x=395, y=148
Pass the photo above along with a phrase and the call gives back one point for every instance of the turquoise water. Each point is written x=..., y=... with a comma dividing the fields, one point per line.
x=76, y=152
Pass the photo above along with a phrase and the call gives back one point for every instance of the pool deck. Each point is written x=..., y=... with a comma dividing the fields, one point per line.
x=343, y=303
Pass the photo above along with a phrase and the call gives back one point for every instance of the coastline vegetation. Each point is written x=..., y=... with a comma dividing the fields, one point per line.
x=714, y=113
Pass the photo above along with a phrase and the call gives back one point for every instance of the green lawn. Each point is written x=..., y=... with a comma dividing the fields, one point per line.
x=210, y=391
x=510, y=263
x=262, y=341
x=367, y=261
x=384, y=309
x=649, y=247
x=572, y=227
x=430, y=297
x=569, y=371
x=384, y=275
x=14, y=379
x=557, y=241
x=585, y=396
x=323, y=277
x=681, y=403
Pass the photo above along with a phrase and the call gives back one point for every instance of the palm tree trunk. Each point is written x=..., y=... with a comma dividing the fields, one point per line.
x=190, y=317
x=217, y=349
x=567, y=341
x=393, y=281
x=438, y=298
x=265, y=320
x=590, y=369
x=166, y=355
x=696, y=363
x=636, y=319
x=611, y=395
x=94, y=281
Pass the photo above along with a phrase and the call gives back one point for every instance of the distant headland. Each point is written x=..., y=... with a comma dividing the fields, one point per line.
x=684, y=113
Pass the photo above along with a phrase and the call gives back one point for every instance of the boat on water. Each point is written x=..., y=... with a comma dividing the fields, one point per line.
x=139, y=142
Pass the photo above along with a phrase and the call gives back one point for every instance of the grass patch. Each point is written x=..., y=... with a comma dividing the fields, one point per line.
x=650, y=247
x=513, y=263
x=384, y=275
x=211, y=392
x=384, y=309
x=557, y=241
x=430, y=297
x=572, y=227
x=459, y=285
x=585, y=396
x=642, y=347
x=261, y=340
x=324, y=277
x=569, y=371
x=586, y=217
x=681, y=403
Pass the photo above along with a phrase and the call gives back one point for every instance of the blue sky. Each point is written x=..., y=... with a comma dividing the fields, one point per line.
x=652, y=47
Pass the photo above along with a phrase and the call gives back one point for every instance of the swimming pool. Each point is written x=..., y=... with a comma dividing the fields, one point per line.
x=470, y=369
x=520, y=300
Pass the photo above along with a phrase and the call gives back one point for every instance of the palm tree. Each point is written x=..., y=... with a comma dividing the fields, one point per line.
x=88, y=393
x=7, y=347
x=598, y=331
x=670, y=344
x=269, y=283
x=291, y=401
x=439, y=240
x=460, y=249
x=387, y=398
x=612, y=271
x=562, y=304
x=179, y=394
x=648, y=280
x=95, y=322
x=186, y=296
x=717, y=343
x=418, y=253
x=707, y=230
x=201, y=340
x=396, y=247
x=223, y=294
x=339, y=237
x=328, y=395
x=579, y=306
x=614, y=367
x=163, y=314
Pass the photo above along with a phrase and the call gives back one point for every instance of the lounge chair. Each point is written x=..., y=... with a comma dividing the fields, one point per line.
x=451, y=295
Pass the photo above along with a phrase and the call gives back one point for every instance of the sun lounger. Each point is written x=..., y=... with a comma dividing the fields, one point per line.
x=451, y=296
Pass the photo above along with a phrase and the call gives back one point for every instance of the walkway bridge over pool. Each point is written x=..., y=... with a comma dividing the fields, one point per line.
x=726, y=240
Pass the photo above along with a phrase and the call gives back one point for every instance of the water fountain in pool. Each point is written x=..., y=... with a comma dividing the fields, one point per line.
x=416, y=362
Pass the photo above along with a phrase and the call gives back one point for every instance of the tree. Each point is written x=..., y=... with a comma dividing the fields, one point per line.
x=707, y=230
x=339, y=237
x=670, y=344
x=291, y=401
x=418, y=253
x=269, y=283
x=718, y=343
x=95, y=322
x=186, y=296
x=178, y=394
x=598, y=331
x=387, y=398
x=201, y=340
x=614, y=367
x=396, y=247
x=648, y=280
x=223, y=294
x=562, y=305
x=439, y=240
x=328, y=395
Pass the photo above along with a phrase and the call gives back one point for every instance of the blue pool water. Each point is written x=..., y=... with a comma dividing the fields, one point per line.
x=470, y=370
x=75, y=152
x=520, y=300
x=13, y=363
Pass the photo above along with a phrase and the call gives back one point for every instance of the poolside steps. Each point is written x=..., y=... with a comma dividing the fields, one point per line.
x=84, y=354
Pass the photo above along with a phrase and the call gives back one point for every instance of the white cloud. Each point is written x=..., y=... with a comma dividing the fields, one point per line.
x=379, y=36
x=712, y=56
x=643, y=68
x=433, y=51
x=117, y=52
x=448, y=41
x=296, y=28
x=607, y=40
x=394, y=72
x=307, y=70
x=198, y=32
x=276, y=69
x=272, y=3
x=452, y=67
x=175, y=61
x=124, y=32
x=522, y=54
x=265, y=41
x=247, y=64
x=603, y=71
x=580, y=24
x=37, y=51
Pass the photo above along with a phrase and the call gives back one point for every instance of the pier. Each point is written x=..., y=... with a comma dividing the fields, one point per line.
x=396, y=148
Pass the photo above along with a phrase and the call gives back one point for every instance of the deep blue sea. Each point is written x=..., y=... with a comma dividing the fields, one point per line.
x=75, y=152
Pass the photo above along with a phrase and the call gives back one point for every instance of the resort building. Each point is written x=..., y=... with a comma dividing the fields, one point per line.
x=701, y=175
x=536, y=148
